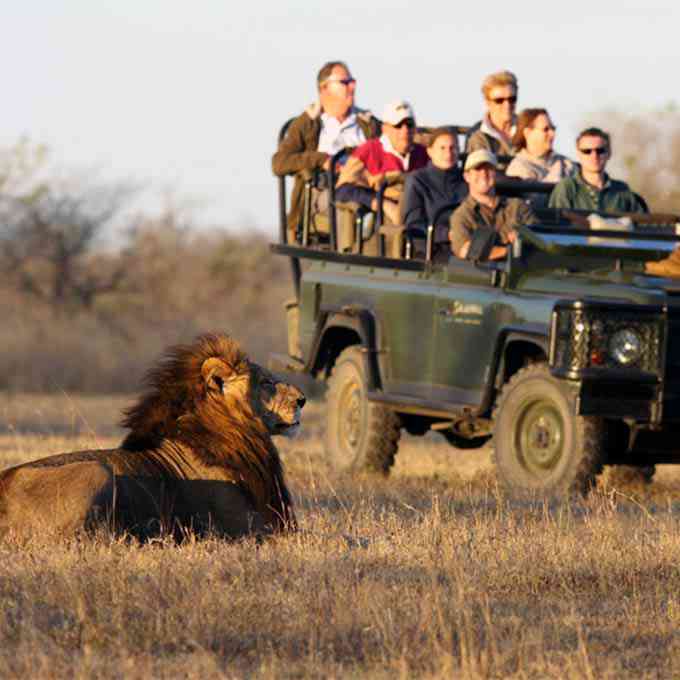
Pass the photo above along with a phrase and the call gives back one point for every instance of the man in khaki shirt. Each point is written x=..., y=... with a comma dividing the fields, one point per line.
x=482, y=208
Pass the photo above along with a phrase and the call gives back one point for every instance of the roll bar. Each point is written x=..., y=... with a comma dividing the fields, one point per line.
x=283, y=218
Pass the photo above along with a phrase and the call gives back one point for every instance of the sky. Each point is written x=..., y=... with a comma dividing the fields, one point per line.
x=186, y=99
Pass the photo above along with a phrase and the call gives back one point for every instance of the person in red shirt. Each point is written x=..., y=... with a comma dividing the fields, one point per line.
x=388, y=159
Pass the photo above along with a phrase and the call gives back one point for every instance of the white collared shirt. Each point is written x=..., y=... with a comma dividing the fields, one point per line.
x=387, y=145
x=336, y=136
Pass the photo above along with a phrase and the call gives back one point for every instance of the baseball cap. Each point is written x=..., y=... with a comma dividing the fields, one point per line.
x=396, y=111
x=480, y=157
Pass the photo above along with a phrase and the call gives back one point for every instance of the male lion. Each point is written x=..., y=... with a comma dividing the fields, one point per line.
x=199, y=456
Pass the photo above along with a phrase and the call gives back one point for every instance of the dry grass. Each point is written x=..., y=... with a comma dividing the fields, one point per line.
x=429, y=574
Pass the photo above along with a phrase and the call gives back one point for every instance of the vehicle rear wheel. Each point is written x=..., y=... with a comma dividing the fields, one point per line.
x=361, y=436
x=539, y=446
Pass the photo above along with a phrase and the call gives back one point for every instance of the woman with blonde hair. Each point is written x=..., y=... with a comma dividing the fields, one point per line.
x=494, y=132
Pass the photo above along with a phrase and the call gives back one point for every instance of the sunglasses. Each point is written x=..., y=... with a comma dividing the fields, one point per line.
x=599, y=150
x=342, y=81
x=502, y=100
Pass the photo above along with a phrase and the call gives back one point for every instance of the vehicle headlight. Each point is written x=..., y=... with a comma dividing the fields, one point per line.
x=590, y=336
x=625, y=347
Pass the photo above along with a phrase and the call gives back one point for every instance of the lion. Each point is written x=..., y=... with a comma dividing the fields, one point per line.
x=199, y=457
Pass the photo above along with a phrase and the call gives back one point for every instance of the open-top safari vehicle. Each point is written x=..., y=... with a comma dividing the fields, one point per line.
x=566, y=354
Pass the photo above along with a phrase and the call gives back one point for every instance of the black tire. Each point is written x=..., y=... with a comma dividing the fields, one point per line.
x=539, y=446
x=361, y=436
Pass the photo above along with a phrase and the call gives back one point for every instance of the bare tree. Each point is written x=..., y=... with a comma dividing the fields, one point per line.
x=47, y=244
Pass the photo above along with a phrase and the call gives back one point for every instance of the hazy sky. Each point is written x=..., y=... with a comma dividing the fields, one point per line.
x=190, y=96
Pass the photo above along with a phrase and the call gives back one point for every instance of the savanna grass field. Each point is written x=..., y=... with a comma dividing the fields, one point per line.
x=430, y=573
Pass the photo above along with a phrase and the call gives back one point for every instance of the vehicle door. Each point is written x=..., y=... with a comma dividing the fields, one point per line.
x=404, y=301
x=469, y=314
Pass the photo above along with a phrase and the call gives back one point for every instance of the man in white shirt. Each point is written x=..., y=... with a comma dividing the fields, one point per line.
x=327, y=126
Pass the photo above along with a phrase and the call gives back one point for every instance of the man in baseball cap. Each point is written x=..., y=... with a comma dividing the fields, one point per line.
x=480, y=157
x=485, y=212
x=385, y=159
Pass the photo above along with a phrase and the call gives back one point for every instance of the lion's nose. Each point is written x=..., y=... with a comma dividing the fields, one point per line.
x=301, y=401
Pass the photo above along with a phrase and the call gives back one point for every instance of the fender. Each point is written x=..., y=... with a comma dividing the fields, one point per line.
x=534, y=334
x=360, y=321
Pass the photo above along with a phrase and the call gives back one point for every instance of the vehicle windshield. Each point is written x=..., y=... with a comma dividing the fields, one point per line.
x=622, y=244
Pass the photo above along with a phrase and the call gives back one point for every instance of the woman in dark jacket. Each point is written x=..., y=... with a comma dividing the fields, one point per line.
x=439, y=184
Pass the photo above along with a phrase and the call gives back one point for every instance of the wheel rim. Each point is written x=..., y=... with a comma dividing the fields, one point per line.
x=350, y=417
x=539, y=437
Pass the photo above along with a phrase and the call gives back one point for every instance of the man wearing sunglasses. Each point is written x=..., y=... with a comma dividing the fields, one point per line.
x=387, y=158
x=591, y=188
x=495, y=131
x=329, y=125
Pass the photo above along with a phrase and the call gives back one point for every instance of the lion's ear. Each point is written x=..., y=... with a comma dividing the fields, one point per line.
x=215, y=374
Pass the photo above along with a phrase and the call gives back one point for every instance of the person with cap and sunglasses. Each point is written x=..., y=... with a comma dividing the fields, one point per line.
x=591, y=188
x=388, y=159
x=329, y=125
x=485, y=212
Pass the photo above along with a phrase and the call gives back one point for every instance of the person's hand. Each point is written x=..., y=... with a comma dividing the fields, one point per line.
x=511, y=236
x=326, y=164
x=498, y=252
x=464, y=250
x=374, y=181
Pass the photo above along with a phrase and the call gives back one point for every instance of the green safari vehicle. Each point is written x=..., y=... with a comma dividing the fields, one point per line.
x=566, y=354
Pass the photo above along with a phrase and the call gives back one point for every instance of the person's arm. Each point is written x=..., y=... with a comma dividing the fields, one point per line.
x=459, y=235
x=638, y=204
x=414, y=212
x=559, y=197
x=517, y=168
x=292, y=156
x=478, y=140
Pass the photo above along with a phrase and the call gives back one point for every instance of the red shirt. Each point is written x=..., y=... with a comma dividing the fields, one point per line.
x=378, y=161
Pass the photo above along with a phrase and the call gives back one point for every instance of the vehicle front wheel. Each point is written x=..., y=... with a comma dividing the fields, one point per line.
x=361, y=436
x=539, y=446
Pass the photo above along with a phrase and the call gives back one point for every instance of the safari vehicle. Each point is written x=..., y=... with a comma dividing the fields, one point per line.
x=566, y=355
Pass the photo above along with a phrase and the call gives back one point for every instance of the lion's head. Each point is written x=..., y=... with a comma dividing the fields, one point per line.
x=212, y=381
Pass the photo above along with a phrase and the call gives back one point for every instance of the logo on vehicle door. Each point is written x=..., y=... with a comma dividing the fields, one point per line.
x=468, y=313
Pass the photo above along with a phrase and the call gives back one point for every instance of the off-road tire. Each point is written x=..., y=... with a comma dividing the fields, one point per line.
x=361, y=436
x=540, y=447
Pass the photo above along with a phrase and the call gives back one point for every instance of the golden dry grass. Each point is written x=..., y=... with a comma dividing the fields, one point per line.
x=429, y=574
